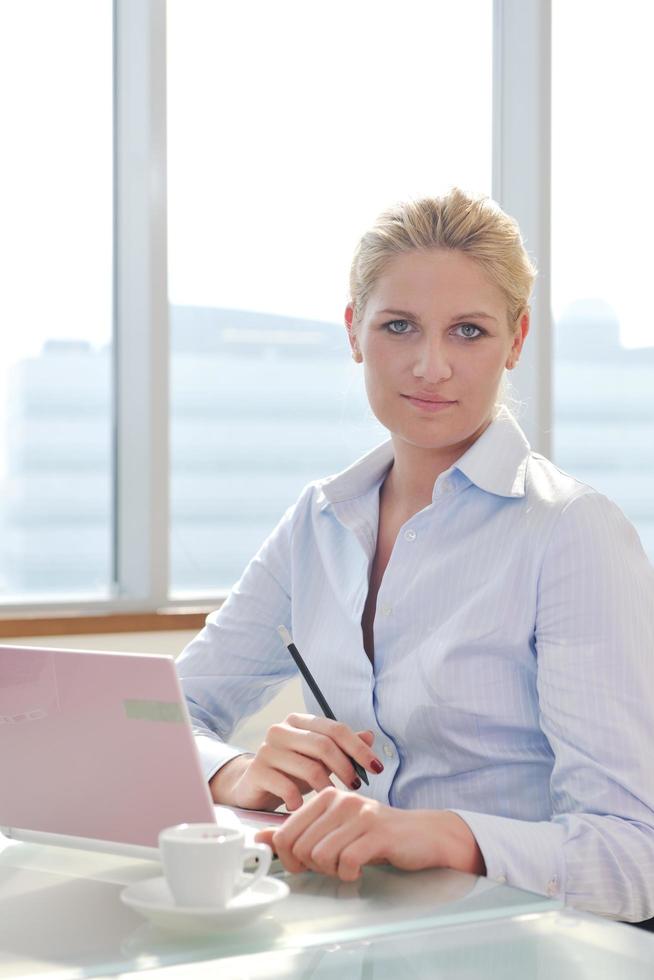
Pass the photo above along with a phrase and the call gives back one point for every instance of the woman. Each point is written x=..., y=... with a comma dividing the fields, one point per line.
x=481, y=623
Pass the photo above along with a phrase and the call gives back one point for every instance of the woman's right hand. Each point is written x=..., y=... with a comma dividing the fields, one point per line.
x=296, y=756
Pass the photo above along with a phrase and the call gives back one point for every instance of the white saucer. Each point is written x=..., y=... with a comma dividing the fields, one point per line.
x=152, y=899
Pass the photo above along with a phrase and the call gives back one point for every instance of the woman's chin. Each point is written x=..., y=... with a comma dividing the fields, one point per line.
x=438, y=439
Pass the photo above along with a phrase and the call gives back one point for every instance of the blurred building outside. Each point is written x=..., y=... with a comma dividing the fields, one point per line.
x=260, y=406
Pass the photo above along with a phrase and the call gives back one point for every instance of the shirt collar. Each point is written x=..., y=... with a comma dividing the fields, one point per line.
x=358, y=478
x=496, y=463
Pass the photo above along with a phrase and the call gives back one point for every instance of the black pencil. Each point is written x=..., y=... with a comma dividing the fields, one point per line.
x=287, y=640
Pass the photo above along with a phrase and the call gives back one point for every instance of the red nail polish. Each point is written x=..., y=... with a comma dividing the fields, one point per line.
x=356, y=783
x=376, y=766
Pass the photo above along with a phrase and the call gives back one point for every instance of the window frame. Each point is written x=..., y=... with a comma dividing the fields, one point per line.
x=521, y=183
x=141, y=319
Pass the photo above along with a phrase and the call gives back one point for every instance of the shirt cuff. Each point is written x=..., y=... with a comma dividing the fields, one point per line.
x=521, y=853
x=214, y=754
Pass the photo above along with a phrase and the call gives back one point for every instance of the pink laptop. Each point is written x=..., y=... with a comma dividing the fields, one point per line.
x=96, y=750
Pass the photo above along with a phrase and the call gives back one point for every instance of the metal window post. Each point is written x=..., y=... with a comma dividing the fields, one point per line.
x=522, y=183
x=141, y=305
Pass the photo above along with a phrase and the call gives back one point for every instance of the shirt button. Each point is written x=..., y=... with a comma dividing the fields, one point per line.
x=410, y=535
x=552, y=887
x=387, y=749
x=501, y=879
x=385, y=609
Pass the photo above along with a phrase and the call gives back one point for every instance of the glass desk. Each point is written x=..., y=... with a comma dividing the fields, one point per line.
x=538, y=946
x=61, y=916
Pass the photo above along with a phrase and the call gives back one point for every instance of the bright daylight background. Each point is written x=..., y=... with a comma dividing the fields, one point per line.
x=293, y=124
x=290, y=126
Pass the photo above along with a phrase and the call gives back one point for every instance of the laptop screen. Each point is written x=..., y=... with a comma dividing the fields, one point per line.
x=96, y=745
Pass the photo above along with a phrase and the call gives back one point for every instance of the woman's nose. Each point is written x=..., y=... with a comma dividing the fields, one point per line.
x=432, y=364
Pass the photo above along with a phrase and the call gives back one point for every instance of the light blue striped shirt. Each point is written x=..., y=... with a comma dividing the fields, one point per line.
x=513, y=680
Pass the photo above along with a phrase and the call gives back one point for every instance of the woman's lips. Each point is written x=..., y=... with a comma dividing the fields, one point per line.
x=429, y=404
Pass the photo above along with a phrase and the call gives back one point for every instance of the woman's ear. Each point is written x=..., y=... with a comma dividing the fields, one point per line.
x=518, y=340
x=351, y=335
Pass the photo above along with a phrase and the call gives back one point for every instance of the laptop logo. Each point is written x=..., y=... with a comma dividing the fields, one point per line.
x=34, y=715
x=170, y=711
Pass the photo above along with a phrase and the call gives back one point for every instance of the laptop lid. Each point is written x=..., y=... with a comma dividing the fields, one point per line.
x=96, y=749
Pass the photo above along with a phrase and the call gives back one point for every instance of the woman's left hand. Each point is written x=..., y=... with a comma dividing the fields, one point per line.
x=337, y=833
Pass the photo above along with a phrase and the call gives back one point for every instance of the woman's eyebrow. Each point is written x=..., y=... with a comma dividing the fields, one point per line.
x=478, y=316
x=403, y=313
x=407, y=315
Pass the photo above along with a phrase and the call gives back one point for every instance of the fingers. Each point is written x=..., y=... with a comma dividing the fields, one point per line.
x=366, y=849
x=286, y=837
x=265, y=836
x=261, y=778
x=329, y=741
x=338, y=833
x=301, y=754
x=307, y=772
x=284, y=773
x=335, y=833
x=322, y=850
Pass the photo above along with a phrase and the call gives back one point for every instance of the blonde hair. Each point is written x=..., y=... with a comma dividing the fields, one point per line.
x=473, y=224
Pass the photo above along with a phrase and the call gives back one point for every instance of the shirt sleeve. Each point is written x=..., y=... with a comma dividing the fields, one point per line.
x=238, y=662
x=595, y=654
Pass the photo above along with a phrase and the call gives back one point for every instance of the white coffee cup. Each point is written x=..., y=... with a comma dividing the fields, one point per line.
x=203, y=863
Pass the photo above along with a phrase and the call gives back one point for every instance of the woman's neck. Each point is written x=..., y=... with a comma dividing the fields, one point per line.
x=409, y=485
x=410, y=481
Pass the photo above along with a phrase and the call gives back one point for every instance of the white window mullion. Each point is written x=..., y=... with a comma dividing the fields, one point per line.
x=141, y=304
x=522, y=183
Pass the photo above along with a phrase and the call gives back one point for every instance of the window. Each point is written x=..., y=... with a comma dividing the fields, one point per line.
x=56, y=203
x=602, y=215
x=290, y=126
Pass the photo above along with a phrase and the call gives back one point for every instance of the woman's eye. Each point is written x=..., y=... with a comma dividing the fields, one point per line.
x=469, y=331
x=398, y=326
